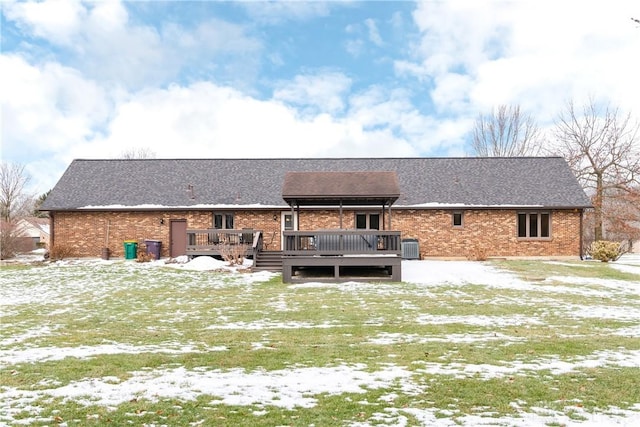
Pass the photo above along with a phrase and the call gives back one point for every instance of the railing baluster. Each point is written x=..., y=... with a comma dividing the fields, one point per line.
x=341, y=242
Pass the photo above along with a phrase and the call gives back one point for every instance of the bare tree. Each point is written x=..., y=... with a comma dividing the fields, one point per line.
x=138, y=153
x=13, y=198
x=602, y=148
x=14, y=203
x=506, y=132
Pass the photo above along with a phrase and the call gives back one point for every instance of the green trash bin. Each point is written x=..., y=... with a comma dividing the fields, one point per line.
x=130, y=249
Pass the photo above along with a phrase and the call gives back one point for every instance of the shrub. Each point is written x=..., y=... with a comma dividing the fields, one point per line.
x=477, y=253
x=145, y=257
x=59, y=252
x=233, y=254
x=605, y=251
x=8, y=240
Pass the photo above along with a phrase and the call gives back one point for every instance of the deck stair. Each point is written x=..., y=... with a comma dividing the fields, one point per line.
x=268, y=261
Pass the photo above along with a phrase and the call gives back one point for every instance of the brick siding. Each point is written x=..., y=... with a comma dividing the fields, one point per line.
x=485, y=233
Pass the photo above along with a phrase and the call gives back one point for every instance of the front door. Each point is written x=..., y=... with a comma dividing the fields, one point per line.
x=288, y=222
x=178, y=237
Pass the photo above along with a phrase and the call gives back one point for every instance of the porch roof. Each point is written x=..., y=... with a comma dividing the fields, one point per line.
x=344, y=188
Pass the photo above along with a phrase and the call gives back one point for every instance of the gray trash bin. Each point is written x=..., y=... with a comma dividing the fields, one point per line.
x=153, y=248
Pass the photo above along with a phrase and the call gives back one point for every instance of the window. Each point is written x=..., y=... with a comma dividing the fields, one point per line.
x=456, y=219
x=534, y=225
x=223, y=221
x=368, y=221
x=288, y=222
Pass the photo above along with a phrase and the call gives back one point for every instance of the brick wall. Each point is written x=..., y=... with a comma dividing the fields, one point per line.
x=86, y=232
x=484, y=232
x=490, y=233
x=264, y=221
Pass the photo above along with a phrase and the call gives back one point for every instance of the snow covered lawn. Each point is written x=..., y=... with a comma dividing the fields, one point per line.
x=92, y=342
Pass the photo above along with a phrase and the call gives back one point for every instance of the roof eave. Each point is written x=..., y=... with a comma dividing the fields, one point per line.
x=491, y=207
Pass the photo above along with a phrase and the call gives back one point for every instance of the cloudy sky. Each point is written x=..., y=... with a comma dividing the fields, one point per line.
x=296, y=79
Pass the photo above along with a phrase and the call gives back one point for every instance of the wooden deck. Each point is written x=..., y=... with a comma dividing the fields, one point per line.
x=322, y=255
x=338, y=255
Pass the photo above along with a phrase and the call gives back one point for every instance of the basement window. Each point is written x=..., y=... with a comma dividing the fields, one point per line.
x=456, y=219
x=534, y=225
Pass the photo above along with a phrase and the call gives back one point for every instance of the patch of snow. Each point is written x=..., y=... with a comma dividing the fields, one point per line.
x=431, y=272
x=266, y=324
x=499, y=321
x=625, y=268
x=629, y=259
x=539, y=417
x=624, y=313
x=632, y=331
x=43, y=354
x=28, y=334
x=182, y=259
x=288, y=388
x=398, y=338
x=622, y=285
x=554, y=365
x=202, y=263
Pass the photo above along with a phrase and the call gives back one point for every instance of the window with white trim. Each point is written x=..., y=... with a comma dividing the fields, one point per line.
x=534, y=225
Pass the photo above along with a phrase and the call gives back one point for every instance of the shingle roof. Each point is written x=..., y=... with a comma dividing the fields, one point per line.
x=202, y=183
x=337, y=187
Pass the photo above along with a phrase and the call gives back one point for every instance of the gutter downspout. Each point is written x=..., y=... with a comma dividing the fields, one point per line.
x=581, y=235
x=51, y=231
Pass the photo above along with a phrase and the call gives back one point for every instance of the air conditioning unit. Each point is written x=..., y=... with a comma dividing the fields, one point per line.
x=410, y=249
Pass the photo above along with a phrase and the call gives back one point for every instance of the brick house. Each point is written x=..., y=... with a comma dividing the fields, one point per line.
x=452, y=207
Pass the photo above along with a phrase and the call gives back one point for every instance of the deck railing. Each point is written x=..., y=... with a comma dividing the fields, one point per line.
x=212, y=240
x=342, y=242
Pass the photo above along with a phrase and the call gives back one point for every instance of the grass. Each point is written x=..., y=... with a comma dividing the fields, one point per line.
x=463, y=351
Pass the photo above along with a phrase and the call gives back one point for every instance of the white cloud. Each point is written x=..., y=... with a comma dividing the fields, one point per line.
x=47, y=107
x=55, y=20
x=355, y=47
x=115, y=92
x=374, y=34
x=451, y=93
x=536, y=54
x=100, y=40
x=47, y=110
x=53, y=114
x=205, y=120
x=323, y=91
